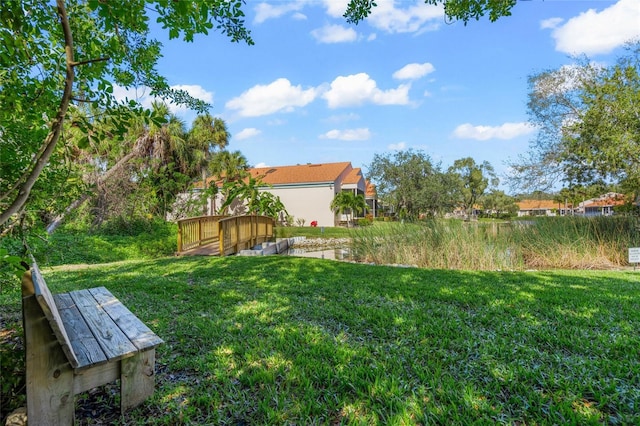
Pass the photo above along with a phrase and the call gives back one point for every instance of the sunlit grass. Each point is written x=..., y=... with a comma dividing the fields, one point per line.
x=275, y=340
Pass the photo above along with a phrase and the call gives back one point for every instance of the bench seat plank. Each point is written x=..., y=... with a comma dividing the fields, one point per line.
x=136, y=331
x=112, y=340
x=86, y=348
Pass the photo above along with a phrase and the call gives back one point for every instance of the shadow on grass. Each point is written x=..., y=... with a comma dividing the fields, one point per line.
x=274, y=340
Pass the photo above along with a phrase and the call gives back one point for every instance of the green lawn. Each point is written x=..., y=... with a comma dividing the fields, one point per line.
x=282, y=340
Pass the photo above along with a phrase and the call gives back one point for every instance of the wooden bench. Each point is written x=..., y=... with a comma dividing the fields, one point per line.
x=77, y=341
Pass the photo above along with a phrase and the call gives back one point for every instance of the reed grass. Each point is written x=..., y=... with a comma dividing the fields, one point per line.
x=543, y=243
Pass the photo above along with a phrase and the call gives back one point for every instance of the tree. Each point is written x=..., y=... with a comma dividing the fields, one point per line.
x=464, y=10
x=74, y=53
x=497, y=203
x=587, y=116
x=346, y=202
x=473, y=181
x=139, y=174
x=212, y=136
x=229, y=168
x=246, y=191
x=410, y=183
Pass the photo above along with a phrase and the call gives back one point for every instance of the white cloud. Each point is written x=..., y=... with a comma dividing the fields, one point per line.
x=419, y=17
x=265, y=11
x=141, y=94
x=413, y=71
x=342, y=118
x=361, y=134
x=335, y=9
x=261, y=165
x=247, y=133
x=397, y=146
x=594, y=32
x=550, y=23
x=483, y=133
x=372, y=37
x=334, y=34
x=279, y=96
x=276, y=122
x=357, y=89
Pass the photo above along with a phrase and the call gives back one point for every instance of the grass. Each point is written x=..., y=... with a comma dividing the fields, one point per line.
x=543, y=243
x=313, y=232
x=282, y=340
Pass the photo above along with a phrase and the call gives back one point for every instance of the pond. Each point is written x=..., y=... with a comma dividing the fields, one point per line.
x=332, y=253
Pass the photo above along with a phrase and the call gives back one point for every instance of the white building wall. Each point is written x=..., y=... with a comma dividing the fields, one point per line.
x=307, y=202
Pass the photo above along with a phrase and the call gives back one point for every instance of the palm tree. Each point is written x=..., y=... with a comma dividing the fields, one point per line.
x=156, y=144
x=346, y=202
x=359, y=204
x=227, y=167
x=208, y=134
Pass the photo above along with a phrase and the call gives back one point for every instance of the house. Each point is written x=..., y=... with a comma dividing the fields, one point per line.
x=540, y=208
x=601, y=206
x=306, y=190
x=371, y=198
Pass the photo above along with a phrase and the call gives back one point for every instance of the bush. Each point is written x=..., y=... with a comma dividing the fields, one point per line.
x=129, y=226
x=365, y=222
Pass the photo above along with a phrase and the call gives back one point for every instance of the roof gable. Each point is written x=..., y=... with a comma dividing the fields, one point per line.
x=306, y=173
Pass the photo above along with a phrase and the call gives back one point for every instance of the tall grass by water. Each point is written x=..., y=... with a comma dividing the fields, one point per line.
x=542, y=243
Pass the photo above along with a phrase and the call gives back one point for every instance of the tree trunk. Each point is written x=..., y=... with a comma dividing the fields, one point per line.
x=49, y=144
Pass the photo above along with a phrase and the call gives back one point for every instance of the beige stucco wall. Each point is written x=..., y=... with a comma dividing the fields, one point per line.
x=308, y=202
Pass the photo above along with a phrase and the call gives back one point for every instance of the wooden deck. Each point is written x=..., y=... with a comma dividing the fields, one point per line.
x=211, y=249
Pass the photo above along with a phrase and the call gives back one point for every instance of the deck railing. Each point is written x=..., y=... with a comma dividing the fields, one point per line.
x=233, y=233
x=197, y=231
x=243, y=232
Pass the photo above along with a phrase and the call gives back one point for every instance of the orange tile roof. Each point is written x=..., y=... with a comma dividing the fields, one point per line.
x=301, y=173
x=307, y=173
x=605, y=202
x=371, y=191
x=354, y=176
x=539, y=205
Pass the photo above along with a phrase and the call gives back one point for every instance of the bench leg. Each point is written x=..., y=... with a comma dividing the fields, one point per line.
x=50, y=399
x=137, y=379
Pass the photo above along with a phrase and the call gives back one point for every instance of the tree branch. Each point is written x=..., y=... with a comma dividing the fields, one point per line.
x=89, y=61
x=52, y=138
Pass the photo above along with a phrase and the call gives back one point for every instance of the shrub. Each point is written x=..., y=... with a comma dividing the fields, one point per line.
x=365, y=222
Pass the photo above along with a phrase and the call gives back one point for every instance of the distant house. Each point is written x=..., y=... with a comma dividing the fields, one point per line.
x=540, y=208
x=371, y=198
x=601, y=206
x=307, y=190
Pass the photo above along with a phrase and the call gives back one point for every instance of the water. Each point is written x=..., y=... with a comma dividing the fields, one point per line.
x=333, y=253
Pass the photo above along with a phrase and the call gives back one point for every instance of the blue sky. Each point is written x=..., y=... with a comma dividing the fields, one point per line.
x=315, y=89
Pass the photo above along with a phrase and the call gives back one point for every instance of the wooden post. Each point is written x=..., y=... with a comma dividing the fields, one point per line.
x=137, y=379
x=237, y=246
x=221, y=238
x=179, y=237
x=50, y=399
